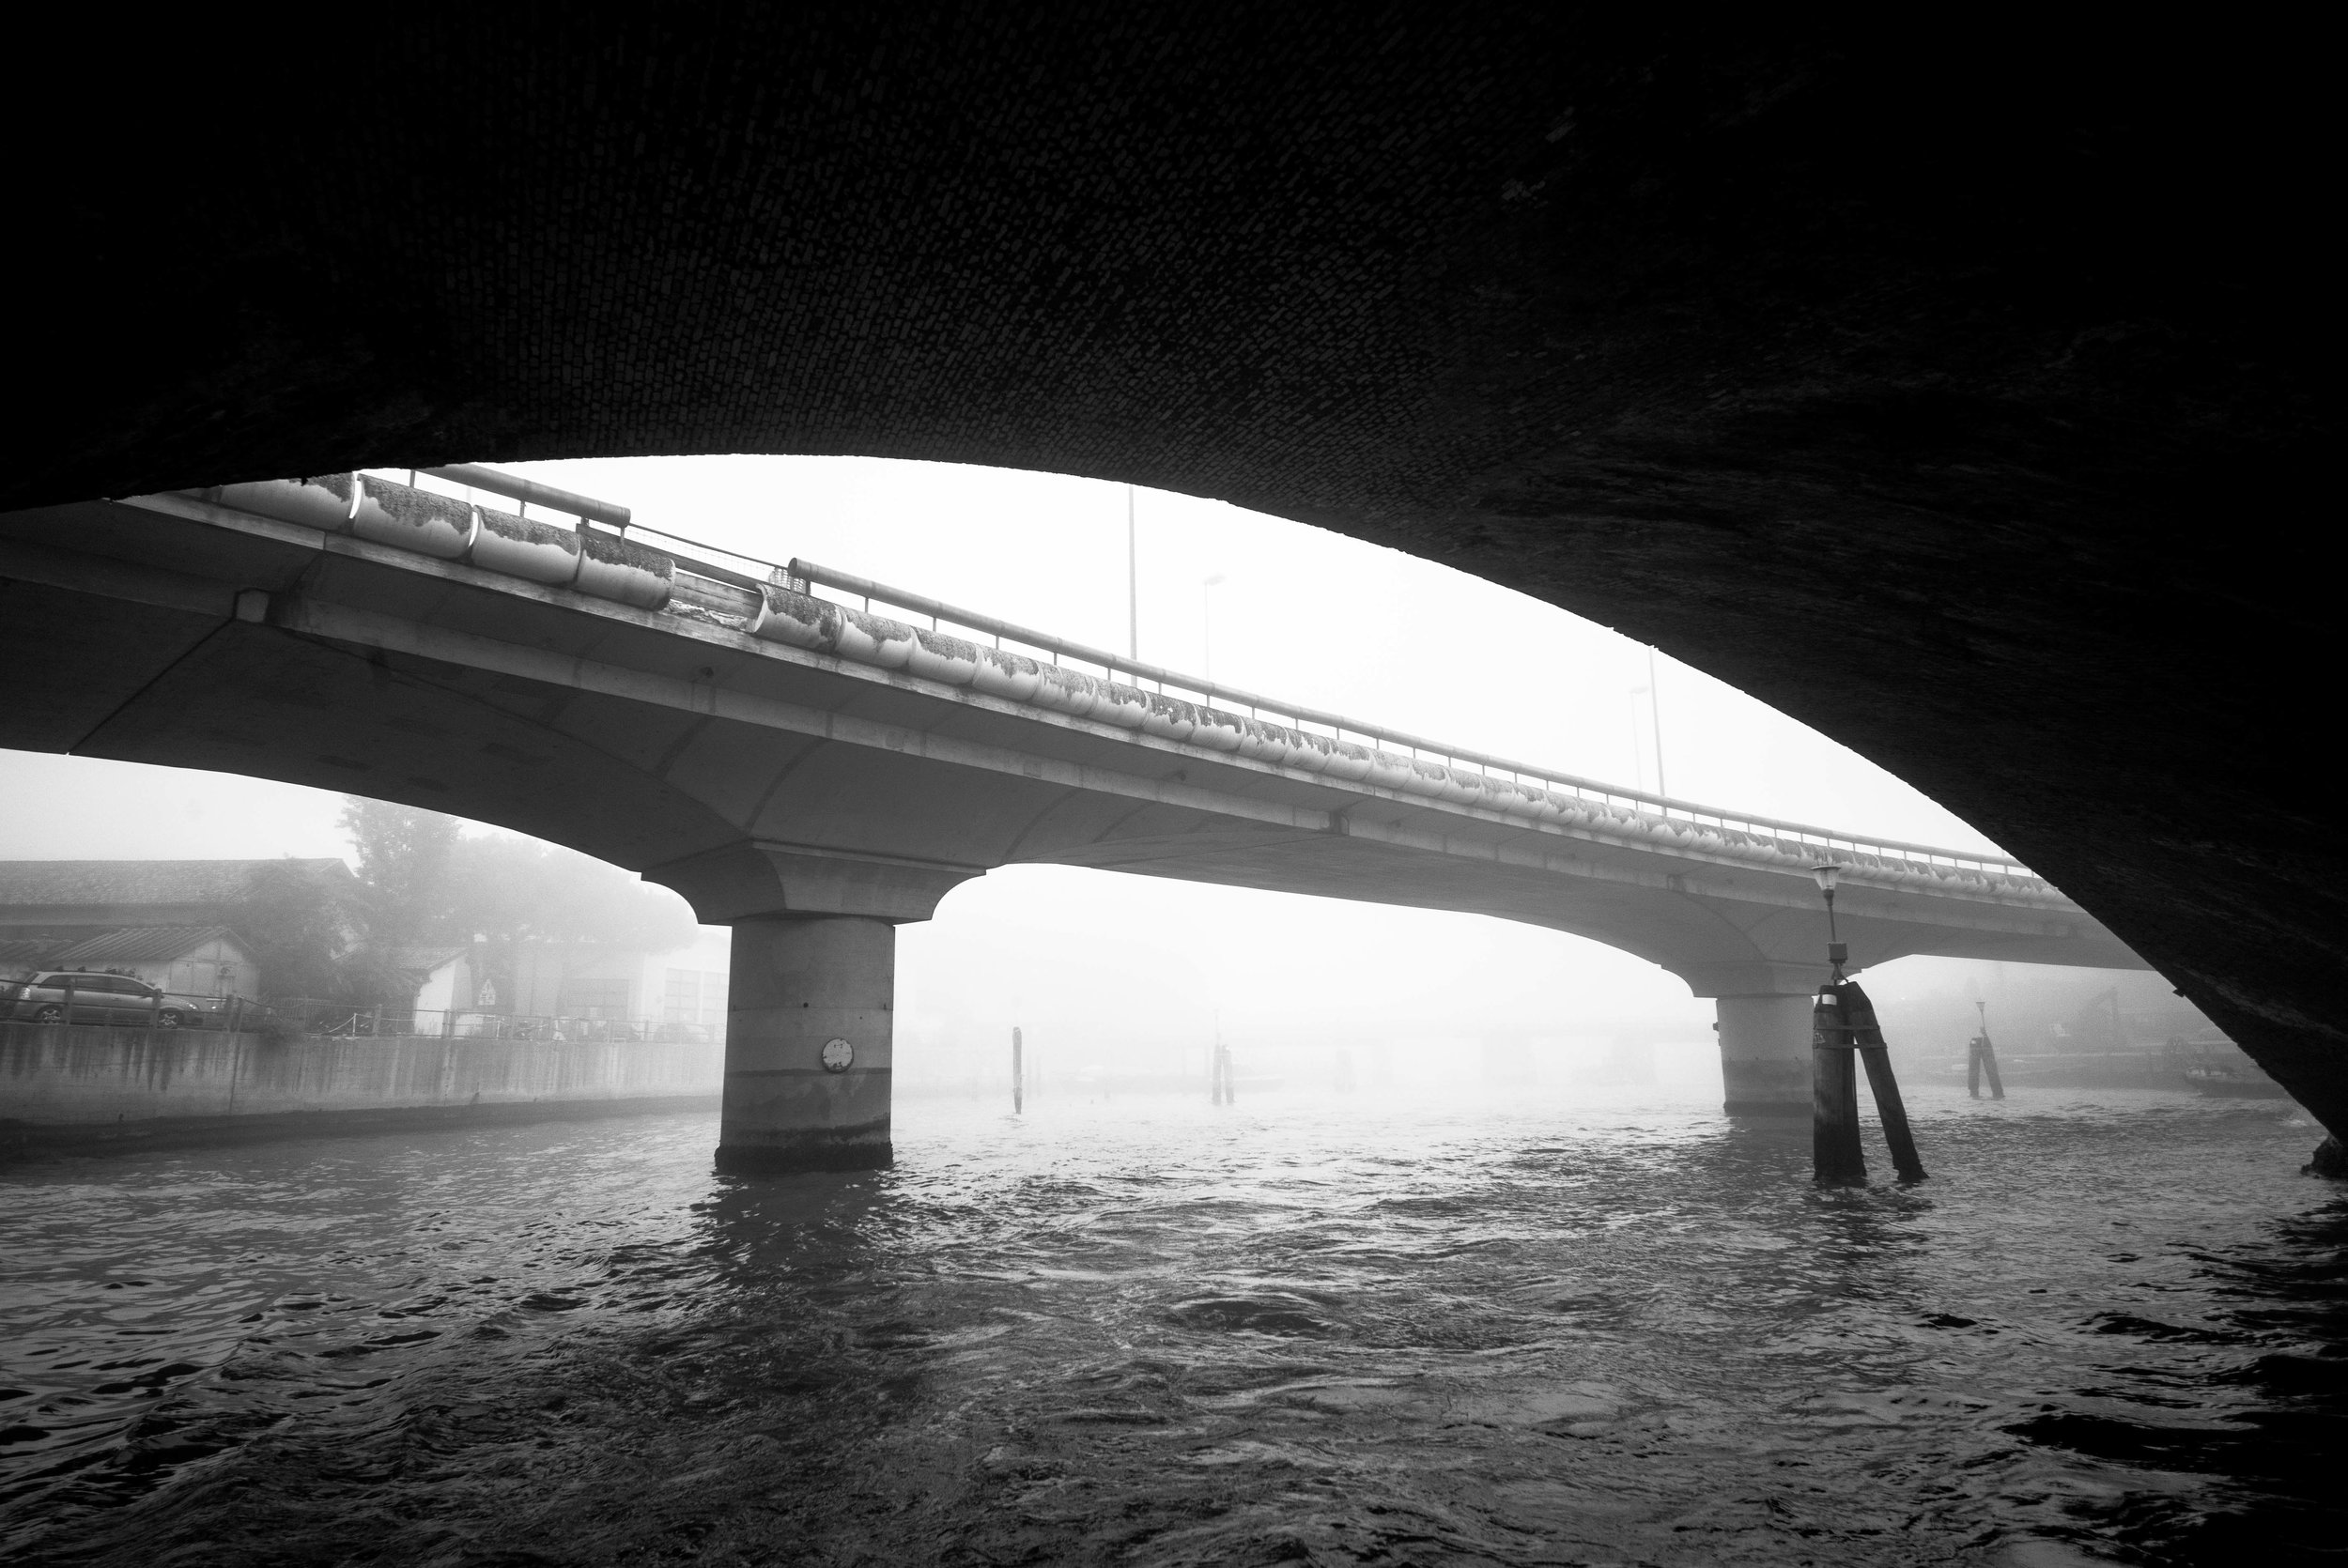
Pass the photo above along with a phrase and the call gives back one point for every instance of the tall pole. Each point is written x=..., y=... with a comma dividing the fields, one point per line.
x=1638, y=764
x=1018, y=1072
x=1133, y=584
x=1985, y=1057
x=1655, y=709
x=1206, y=622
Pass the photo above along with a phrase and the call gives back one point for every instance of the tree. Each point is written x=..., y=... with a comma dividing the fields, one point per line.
x=404, y=857
x=517, y=890
x=422, y=882
x=302, y=928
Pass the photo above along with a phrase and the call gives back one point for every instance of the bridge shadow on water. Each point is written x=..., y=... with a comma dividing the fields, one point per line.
x=1155, y=1335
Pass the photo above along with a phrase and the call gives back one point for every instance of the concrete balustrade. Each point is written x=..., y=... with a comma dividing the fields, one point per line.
x=937, y=656
x=411, y=519
x=1169, y=718
x=519, y=547
x=406, y=518
x=1012, y=677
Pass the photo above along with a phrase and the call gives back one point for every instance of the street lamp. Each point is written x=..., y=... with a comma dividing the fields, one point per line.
x=1824, y=874
x=1206, y=620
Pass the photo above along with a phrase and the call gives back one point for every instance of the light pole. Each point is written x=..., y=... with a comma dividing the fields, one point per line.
x=1653, y=692
x=1206, y=620
x=1133, y=584
x=1655, y=712
x=1837, y=953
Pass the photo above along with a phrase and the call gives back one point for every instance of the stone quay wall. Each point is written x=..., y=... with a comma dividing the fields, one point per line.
x=67, y=1085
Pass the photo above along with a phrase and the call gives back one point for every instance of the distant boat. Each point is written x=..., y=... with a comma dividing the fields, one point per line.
x=2221, y=1069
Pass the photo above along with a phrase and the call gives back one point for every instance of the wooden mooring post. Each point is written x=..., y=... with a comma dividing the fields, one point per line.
x=1890, y=1108
x=1018, y=1071
x=1982, y=1058
x=1843, y=1034
x=1835, y=1157
x=1219, y=1076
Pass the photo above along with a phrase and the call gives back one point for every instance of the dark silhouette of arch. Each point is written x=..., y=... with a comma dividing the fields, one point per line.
x=1955, y=395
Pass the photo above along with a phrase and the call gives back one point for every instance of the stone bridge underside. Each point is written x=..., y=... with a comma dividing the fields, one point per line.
x=1956, y=395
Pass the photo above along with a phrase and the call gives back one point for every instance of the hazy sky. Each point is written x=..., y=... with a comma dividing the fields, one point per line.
x=1303, y=615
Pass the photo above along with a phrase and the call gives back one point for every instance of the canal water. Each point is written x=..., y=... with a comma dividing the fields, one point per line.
x=2112, y=1327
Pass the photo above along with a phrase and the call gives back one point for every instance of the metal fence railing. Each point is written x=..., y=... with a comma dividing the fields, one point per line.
x=330, y=1020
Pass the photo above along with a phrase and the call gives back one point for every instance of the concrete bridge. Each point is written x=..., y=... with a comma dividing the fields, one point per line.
x=813, y=773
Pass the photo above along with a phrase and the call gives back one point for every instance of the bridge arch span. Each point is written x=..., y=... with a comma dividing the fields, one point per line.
x=813, y=775
x=1901, y=387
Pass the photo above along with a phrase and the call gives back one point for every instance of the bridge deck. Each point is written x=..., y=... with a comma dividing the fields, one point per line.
x=653, y=738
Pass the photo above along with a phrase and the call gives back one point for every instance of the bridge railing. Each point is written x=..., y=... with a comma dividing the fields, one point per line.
x=808, y=576
x=721, y=583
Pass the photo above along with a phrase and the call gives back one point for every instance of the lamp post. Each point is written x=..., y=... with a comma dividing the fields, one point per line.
x=1206, y=620
x=1655, y=712
x=1837, y=953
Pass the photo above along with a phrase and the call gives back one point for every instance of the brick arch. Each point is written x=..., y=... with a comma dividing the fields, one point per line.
x=1954, y=397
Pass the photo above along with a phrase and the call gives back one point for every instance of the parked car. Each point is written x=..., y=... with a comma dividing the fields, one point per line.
x=102, y=998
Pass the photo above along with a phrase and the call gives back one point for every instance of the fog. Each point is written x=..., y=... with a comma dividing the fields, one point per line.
x=1118, y=974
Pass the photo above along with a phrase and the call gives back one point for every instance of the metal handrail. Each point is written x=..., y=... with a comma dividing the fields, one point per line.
x=812, y=575
x=475, y=477
x=1825, y=838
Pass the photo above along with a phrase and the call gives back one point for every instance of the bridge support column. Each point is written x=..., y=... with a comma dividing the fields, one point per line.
x=802, y=984
x=1765, y=1055
x=812, y=1003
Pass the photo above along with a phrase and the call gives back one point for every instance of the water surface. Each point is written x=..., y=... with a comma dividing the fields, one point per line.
x=2110, y=1327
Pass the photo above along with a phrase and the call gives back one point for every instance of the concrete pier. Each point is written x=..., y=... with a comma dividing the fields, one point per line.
x=1765, y=1055
x=807, y=1045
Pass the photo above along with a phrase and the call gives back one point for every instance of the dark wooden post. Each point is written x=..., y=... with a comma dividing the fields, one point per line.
x=1836, y=1160
x=1868, y=1036
x=68, y=1001
x=1018, y=1071
x=155, y=1009
x=1985, y=1057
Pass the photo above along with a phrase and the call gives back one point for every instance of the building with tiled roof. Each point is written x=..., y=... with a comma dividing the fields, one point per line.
x=52, y=894
x=186, y=960
x=170, y=922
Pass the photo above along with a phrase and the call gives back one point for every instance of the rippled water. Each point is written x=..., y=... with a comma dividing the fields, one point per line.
x=1156, y=1333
